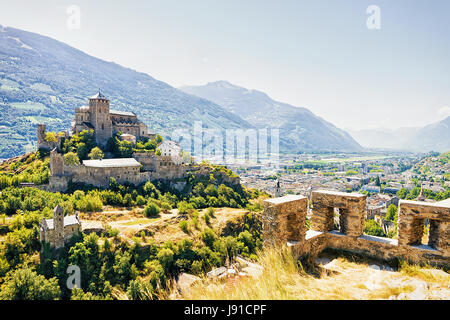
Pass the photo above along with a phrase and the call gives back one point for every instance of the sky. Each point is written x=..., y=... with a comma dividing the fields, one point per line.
x=315, y=54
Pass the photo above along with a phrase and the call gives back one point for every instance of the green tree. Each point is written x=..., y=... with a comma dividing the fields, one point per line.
x=372, y=228
x=71, y=159
x=166, y=258
x=392, y=213
x=51, y=137
x=96, y=154
x=26, y=284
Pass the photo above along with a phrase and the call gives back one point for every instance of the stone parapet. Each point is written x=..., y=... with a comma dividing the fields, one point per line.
x=284, y=219
x=283, y=223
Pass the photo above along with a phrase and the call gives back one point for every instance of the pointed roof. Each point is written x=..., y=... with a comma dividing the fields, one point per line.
x=58, y=209
x=98, y=96
x=421, y=196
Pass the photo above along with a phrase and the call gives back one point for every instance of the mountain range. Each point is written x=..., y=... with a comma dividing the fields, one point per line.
x=432, y=137
x=42, y=80
x=300, y=129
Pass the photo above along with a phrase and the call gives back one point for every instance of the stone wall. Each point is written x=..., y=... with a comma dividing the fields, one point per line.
x=147, y=159
x=284, y=223
x=284, y=219
x=42, y=143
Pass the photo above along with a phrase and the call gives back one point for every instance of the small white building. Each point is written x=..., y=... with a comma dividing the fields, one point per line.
x=171, y=149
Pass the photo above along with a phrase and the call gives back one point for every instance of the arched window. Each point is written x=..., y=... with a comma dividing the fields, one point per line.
x=103, y=126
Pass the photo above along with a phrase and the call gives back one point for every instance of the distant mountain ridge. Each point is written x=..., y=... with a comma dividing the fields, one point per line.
x=42, y=80
x=432, y=137
x=300, y=129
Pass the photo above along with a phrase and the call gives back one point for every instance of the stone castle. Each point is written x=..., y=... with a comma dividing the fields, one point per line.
x=141, y=167
x=105, y=122
x=284, y=224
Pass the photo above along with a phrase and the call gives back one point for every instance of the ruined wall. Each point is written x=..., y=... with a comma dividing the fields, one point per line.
x=283, y=222
x=42, y=143
x=147, y=159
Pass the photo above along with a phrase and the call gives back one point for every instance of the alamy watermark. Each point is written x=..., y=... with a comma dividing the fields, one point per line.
x=374, y=19
x=73, y=21
x=230, y=146
x=74, y=279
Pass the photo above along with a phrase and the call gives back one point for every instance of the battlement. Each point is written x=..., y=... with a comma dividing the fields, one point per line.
x=284, y=223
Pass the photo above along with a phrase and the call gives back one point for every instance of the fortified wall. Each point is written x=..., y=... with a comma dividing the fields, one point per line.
x=127, y=171
x=284, y=222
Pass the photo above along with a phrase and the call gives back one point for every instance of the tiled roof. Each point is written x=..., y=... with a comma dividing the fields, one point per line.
x=99, y=95
x=112, y=163
x=68, y=221
x=122, y=113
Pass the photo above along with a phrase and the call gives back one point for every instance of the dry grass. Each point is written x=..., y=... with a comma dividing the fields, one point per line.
x=283, y=278
x=426, y=273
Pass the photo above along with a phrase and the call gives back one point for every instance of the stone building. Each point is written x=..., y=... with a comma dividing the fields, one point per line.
x=171, y=149
x=59, y=230
x=105, y=122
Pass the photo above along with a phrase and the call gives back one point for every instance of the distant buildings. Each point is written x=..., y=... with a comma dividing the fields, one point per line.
x=371, y=188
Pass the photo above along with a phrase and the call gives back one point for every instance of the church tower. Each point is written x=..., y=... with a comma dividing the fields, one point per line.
x=278, y=189
x=58, y=224
x=100, y=118
x=421, y=196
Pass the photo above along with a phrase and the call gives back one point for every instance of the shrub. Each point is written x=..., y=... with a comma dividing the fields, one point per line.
x=372, y=228
x=184, y=207
x=165, y=206
x=207, y=218
x=140, y=200
x=210, y=212
x=184, y=225
x=208, y=237
x=151, y=210
x=128, y=200
x=90, y=203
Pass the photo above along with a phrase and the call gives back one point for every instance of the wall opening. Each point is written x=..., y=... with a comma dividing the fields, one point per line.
x=340, y=220
x=336, y=219
x=433, y=233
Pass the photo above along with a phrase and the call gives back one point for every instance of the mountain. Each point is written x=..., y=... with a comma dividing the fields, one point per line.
x=433, y=137
x=42, y=80
x=300, y=129
x=384, y=138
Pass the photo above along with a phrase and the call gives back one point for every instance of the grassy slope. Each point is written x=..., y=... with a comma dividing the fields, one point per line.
x=283, y=278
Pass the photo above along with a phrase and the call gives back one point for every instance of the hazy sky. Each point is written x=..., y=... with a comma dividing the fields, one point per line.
x=315, y=54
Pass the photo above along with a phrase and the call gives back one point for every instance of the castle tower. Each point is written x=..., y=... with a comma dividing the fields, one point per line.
x=100, y=118
x=58, y=224
x=56, y=163
x=40, y=135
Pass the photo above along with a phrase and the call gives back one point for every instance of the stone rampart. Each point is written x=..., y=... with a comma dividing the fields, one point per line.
x=284, y=223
